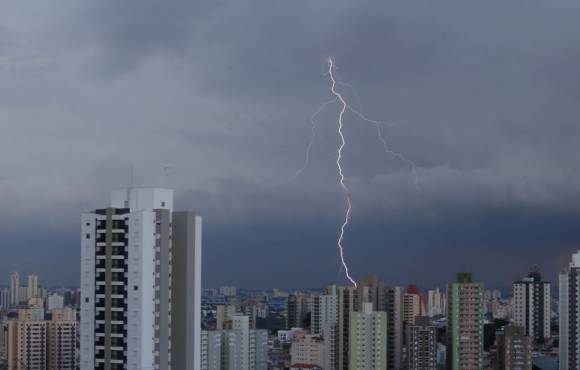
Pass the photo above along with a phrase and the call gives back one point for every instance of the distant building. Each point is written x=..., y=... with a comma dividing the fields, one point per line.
x=33, y=343
x=54, y=302
x=240, y=348
x=298, y=307
x=23, y=295
x=228, y=291
x=435, y=303
x=4, y=298
x=32, y=288
x=308, y=350
x=421, y=345
x=224, y=316
x=411, y=307
x=514, y=349
x=324, y=310
x=465, y=324
x=532, y=306
x=14, y=289
x=367, y=339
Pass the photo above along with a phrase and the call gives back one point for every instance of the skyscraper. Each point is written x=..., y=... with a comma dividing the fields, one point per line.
x=14, y=289
x=532, y=301
x=569, y=303
x=465, y=324
x=140, y=284
x=421, y=345
x=368, y=336
x=32, y=288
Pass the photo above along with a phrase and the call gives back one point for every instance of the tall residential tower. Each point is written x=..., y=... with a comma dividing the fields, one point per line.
x=140, y=284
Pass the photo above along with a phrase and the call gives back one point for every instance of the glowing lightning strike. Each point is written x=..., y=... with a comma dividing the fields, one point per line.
x=340, y=172
x=313, y=136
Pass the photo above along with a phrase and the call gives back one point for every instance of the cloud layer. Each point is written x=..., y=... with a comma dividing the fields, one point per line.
x=214, y=99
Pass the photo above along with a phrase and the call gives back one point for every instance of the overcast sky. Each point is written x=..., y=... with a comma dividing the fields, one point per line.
x=213, y=99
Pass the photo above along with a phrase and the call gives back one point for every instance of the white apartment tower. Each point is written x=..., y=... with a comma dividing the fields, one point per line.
x=140, y=284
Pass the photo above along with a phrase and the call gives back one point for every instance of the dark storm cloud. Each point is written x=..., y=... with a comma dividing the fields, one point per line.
x=482, y=97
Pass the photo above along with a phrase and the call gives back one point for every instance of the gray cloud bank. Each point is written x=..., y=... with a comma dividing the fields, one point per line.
x=483, y=97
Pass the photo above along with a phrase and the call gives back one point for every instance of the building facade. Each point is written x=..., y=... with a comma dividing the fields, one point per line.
x=140, y=284
x=14, y=289
x=532, y=301
x=569, y=315
x=514, y=349
x=421, y=345
x=240, y=348
x=368, y=338
x=465, y=324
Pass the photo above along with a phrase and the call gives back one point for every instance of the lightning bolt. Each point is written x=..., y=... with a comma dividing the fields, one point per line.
x=342, y=181
x=312, y=136
x=386, y=147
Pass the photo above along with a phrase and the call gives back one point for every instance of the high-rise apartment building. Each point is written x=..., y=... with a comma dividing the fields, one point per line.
x=4, y=298
x=307, y=350
x=32, y=288
x=514, y=349
x=388, y=300
x=26, y=344
x=465, y=324
x=140, y=284
x=62, y=340
x=569, y=305
x=368, y=338
x=324, y=310
x=421, y=345
x=212, y=351
x=14, y=289
x=240, y=348
x=532, y=302
x=411, y=307
x=395, y=333
x=435, y=303
x=36, y=344
x=347, y=303
x=298, y=307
